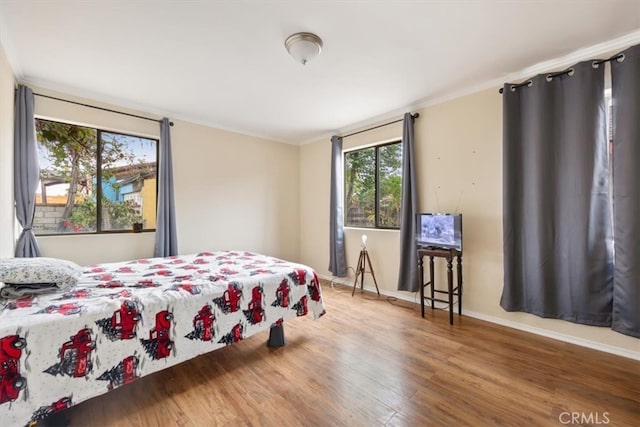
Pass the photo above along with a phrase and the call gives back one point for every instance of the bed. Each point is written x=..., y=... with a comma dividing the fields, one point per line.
x=125, y=320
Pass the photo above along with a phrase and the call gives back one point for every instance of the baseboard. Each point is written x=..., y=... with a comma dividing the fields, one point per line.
x=557, y=335
x=405, y=296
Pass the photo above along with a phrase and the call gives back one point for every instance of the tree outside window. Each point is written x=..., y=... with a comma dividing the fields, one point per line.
x=373, y=186
x=93, y=181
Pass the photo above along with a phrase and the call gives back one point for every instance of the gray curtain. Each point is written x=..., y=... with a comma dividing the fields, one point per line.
x=408, y=273
x=557, y=223
x=337, y=259
x=26, y=171
x=166, y=236
x=625, y=90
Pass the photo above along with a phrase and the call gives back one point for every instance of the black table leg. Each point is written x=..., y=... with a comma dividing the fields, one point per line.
x=433, y=282
x=422, y=285
x=459, y=285
x=450, y=286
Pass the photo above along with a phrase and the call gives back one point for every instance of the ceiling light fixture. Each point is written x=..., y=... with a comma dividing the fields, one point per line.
x=303, y=47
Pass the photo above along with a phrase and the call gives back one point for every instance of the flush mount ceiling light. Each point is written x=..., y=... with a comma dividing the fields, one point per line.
x=303, y=47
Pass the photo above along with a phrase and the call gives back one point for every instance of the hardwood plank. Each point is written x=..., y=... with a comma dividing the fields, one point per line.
x=375, y=362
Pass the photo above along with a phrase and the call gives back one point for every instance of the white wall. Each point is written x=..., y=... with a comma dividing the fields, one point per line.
x=7, y=216
x=235, y=192
x=459, y=167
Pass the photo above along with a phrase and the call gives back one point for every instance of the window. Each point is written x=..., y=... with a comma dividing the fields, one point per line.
x=373, y=186
x=93, y=181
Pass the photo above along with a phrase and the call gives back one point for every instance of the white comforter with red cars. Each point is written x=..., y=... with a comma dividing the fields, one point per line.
x=130, y=319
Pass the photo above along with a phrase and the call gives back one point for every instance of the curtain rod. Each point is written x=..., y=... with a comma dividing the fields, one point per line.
x=415, y=116
x=595, y=64
x=100, y=108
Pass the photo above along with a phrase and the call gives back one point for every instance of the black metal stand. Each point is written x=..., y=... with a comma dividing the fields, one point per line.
x=276, y=337
x=58, y=419
x=361, y=269
x=451, y=291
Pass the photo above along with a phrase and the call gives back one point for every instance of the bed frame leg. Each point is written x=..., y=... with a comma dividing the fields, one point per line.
x=58, y=419
x=276, y=337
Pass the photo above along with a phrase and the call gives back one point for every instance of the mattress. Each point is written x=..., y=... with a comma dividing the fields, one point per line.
x=129, y=319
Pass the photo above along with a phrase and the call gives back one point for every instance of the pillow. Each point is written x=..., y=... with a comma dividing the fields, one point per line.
x=24, y=271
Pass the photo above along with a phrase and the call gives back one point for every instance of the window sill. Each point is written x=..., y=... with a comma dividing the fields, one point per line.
x=91, y=233
x=396, y=230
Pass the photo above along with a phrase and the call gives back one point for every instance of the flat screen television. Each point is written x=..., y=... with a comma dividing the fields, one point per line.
x=439, y=230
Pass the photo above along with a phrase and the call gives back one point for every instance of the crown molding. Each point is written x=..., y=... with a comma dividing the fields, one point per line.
x=592, y=52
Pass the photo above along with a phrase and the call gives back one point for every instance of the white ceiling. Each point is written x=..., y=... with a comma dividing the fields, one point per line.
x=223, y=63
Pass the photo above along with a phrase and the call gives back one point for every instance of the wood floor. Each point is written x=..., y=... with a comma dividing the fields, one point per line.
x=370, y=362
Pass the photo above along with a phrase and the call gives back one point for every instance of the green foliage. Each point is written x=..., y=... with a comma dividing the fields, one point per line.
x=390, y=185
x=360, y=186
x=67, y=145
x=83, y=217
x=71, y=152
x=119, y=216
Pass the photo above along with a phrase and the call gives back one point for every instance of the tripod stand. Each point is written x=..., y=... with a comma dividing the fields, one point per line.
x=360, y=270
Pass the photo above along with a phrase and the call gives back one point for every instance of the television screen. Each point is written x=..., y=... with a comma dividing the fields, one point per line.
x=439, y=230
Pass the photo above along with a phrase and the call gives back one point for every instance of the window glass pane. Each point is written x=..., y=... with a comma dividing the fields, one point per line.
x=128, y=181
x=360, y=185
x=390, y=185
x=65, y=201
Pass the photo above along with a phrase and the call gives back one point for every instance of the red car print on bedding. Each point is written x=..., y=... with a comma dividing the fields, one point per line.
x=255, y=312
x=123, y=373
x=229, y=302
x=123, y=323
x=111, y=284
x=125, y=293
x=145, y=283
x=235, y=335
x=44, y=411
x=165, y=273
x=24, y=302
x=77, y=294
x=103, y=277
x=64, y=309
x=301, y=306
x=159, y=345
x=282, y=294
x=313, y=288
x=192, y=289
x=260, y=271
x=202, y=325
x=11, y=382
x=75, y=355
x=298, y=276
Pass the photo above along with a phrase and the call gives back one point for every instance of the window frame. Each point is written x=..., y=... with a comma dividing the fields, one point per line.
x=376, y=147
x=98, y=157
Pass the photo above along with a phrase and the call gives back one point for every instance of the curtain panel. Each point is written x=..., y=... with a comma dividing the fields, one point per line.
x=408, y=272
x=337, y=257
x=166, y=243
x=625, y=94
x=26, y=171
x=557, y=227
